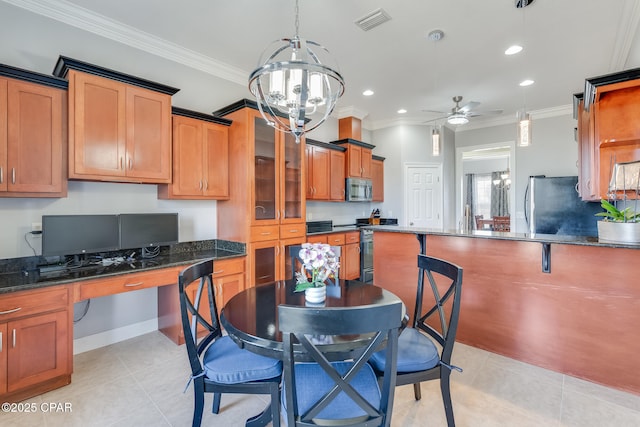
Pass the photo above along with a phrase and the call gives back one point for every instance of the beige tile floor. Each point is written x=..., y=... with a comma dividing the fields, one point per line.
x=140, y=382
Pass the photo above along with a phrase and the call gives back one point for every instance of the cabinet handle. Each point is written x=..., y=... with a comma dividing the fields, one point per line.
x=0, y=342
x=1, y=175
x=133, y=285
x=218, y=272
x=295, y=230
x=14, y=338
x=11, y=311
x=121, y=163
x=13, y=175
x=265, y=233
x=206, y=184
x=264, y=277
x=277, y=214
x=200, y=185
x=130, y=163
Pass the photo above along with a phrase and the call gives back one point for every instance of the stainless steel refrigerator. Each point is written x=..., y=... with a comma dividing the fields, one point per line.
x=553, y=206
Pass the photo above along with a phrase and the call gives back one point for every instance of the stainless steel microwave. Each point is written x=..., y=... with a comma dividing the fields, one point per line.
x=358, y=190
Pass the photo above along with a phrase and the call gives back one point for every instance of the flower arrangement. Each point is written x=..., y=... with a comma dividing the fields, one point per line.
x=319, y=263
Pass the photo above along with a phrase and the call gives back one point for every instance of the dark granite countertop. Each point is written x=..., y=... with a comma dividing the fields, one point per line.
x=542, y=238
x=17, y=274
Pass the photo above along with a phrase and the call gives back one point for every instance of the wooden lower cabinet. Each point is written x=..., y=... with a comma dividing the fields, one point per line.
x=228, y=280
x=36, y=346
x=349, y=244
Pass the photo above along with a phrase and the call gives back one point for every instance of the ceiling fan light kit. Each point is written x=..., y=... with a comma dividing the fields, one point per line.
x=435, y=141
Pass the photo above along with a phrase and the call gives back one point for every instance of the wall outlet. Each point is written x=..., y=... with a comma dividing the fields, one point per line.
x=36, y=226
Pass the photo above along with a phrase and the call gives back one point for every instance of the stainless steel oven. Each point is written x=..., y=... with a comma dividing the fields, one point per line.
x=366, y=256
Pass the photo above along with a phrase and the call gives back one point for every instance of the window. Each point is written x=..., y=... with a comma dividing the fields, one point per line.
x=482, y=200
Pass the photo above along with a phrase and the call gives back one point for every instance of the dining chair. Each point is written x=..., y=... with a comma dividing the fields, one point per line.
x=218, y=365
x=479, y=224
x=501, y=223
x=424, y=350
x=322, y=389
x=296, y=262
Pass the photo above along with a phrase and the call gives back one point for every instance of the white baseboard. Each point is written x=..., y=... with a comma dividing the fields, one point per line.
x=102, y=339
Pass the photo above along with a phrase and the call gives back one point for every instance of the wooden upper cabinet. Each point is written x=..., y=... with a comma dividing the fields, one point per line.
x=200, y=158
x=32, y=138
x=608, y=130
x=359, y=155
x=377, y=173
x=337, y=176
x=318, y=173
x=118, y=132
x=119, y=125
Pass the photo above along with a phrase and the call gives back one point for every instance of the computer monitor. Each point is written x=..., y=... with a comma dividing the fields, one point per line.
x=148, y=229
x=79, y=234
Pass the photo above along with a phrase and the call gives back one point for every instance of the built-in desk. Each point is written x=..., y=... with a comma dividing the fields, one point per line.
x=36, y=311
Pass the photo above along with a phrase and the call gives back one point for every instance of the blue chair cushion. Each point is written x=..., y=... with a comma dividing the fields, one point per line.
x=416, y=352
x=224, y=362
x=312, y=382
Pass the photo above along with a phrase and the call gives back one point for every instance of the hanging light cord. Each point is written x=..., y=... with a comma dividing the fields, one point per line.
x=297, y=21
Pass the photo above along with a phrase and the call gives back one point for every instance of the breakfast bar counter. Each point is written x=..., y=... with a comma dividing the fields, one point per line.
x=569, y=304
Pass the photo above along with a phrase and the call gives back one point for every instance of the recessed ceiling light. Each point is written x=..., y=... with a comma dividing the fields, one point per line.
x=512, y=50
x=367, y=92
x=526, y=82
x=402, y=111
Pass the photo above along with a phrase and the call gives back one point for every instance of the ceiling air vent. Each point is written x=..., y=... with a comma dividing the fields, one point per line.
x=373, y=19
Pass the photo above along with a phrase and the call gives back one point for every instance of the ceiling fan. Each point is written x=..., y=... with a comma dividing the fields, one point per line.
x=460, y=115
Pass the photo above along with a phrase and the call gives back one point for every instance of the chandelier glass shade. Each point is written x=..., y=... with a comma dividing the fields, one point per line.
x=295, y=88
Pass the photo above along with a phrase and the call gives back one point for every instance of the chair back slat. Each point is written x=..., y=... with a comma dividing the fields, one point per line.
x=378, y=327
x=198, y=276
x=440, y=320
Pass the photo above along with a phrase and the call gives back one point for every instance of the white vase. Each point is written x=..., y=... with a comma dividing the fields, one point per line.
x=619, y=232
x=315, y=295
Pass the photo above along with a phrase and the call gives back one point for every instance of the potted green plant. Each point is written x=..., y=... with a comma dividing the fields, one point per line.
x=618, y=226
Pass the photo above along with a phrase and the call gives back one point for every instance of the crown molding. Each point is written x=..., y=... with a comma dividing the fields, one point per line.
x=84, y=19
x=349, y=111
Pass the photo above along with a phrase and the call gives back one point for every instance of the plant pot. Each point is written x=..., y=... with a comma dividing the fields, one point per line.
x=315, y=295
x=619, y=232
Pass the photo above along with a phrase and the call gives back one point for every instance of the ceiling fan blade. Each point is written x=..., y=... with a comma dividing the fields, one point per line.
x=468, y=106
x=433, y=111
x=484, y=113
x=436, y=119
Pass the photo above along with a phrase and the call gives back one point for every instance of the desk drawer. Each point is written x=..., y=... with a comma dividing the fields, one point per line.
x=127, y=282
x=225, y=267
x=264, y=233
x=293, y=230
x=25, y=303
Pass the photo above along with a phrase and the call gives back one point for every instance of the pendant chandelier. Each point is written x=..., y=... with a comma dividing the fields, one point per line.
x=295, y=91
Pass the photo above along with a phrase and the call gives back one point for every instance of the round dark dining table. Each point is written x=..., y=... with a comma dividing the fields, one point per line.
x=251, y=317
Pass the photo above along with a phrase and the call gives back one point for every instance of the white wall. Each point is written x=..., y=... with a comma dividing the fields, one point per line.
x=554, y=152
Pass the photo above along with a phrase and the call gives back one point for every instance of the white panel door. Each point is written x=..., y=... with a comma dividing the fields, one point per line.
x=423, y=195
